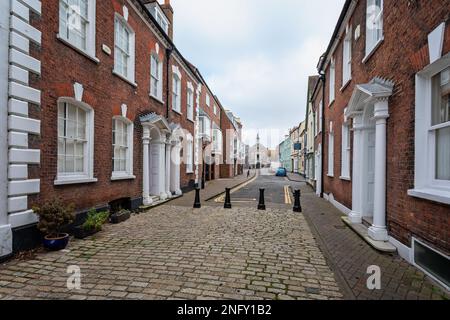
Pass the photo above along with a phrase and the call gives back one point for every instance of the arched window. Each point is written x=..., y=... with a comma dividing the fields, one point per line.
x=122, y=142
x=75, y=142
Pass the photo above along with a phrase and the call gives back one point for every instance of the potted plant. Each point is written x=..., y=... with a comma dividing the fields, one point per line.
x=53, y=216
x=92, y=225
x=120, y=216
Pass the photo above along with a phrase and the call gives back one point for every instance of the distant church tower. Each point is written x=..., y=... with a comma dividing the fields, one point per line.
x=258, y=153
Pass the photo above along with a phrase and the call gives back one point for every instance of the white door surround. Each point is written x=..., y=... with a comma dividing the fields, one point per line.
x=176, y=142
x=369, y=108
x=160, y=175
x=318, y=169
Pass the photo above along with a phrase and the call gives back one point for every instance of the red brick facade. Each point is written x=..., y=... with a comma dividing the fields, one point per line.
x=399, y=57
x=105, y=93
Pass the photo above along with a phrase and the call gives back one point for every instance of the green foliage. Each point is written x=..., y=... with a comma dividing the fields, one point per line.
x=54, y=215
x=95, y=220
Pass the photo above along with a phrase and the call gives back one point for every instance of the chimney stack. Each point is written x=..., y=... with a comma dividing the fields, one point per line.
x=168, y=11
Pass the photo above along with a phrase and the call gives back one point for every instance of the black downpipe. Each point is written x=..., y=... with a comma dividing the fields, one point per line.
x=168, y=55
x=322, y=182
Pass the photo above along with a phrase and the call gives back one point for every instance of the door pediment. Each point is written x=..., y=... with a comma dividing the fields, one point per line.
x=155, y=120
x=365, y=94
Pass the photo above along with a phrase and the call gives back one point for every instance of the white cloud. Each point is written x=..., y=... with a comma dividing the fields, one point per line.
x=257, y=54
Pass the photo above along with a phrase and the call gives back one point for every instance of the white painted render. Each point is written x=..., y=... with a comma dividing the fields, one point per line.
x=15, y=125
x=5, y=228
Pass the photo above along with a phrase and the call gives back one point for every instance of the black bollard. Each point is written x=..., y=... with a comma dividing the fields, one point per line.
x=227, y=204
x=197, y=204
x=261, y=204
x=297, y=205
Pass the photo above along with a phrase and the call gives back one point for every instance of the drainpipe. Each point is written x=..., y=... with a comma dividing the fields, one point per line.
x=168, y=55
x=323, y=79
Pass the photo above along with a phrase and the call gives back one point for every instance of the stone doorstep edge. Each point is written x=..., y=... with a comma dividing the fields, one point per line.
x=158, y=203
x=361, y=231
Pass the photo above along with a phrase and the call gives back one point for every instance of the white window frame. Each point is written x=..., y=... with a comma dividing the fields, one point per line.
x=63, y=33
x=374, y=22
x=331, y=151
x=332, y=82
x=190, y=154
x=158, y=78
x=347, y=57
x=88, y=175
x=176, y=93
x=425, y=184
x=190, y=101
x=128, y=173
x=130, y=76
x=208, y=100
x=345, y=151
x=160, y=17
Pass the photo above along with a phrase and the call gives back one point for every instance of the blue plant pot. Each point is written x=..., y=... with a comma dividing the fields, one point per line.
x=55, y=244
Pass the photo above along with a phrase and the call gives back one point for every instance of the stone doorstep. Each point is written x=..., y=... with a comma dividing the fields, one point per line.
x=362, y=231
x=158, y=203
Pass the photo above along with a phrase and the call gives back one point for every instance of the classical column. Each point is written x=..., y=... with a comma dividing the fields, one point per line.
x=162, y=168
x=145, y=167
x=175, y=174
x=168, y=160
x=355, y=215
x=378, y=230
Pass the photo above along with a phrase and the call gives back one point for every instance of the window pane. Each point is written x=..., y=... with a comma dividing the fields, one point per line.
x=72, y=112
x=443, y=154
x=61, y=126
x=81, y=129
x=71, y=129
x=70, y=148
x=79, y=149
x=70, y=165
x=79, y=165
x=441, y=97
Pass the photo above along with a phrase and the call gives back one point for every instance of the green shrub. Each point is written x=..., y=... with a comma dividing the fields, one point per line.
x=95, y=220
x=53, y=216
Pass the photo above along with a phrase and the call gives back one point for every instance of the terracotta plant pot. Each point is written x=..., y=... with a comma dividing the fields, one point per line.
x=56, y=243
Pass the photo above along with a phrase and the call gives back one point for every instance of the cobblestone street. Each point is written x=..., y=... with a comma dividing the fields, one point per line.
x=175, y=253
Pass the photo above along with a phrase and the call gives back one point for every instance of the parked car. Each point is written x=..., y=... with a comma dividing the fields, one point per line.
x=281, y=172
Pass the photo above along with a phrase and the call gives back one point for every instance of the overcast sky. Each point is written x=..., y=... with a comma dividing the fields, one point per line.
x=256, y=55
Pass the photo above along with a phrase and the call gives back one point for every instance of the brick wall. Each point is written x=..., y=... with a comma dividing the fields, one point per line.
x=105, y=93
x=403, y=53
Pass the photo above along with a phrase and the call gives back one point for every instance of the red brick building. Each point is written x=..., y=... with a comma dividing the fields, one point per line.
x=386, y=125
x=104, y=110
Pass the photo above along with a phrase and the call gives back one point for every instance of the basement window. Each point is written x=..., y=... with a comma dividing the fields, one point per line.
x=432, y=262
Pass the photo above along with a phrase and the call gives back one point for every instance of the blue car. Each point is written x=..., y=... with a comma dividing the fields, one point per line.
x=281, y=172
